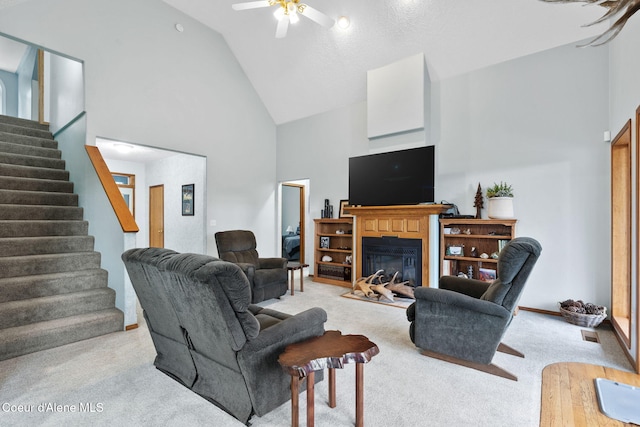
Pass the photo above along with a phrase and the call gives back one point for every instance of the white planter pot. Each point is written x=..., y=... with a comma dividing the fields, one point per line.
x=501, y=207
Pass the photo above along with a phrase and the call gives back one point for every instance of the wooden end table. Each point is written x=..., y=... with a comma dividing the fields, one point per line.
x=293, y=266
x=332, y=350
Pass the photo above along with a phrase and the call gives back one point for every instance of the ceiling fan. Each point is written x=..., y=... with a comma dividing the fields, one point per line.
x=288, y=11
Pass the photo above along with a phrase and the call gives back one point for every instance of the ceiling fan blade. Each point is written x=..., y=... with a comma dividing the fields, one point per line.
x=251, y=5
x=283, y=26
x=316, y=15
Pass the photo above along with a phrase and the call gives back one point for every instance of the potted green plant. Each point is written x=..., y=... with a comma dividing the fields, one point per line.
x=500, y=201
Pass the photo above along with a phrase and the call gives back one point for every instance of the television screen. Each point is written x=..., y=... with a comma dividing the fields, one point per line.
x=403, y=177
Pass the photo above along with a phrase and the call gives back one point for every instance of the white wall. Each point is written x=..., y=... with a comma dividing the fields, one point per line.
x=181, y=233
x=66, y=91
x=624, y=84
x=535, y=122
x=318, y=148
x=26, y=97
x=148, y=83
x=10, y=84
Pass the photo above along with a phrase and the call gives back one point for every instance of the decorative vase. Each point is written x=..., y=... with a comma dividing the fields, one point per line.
x=501, y=207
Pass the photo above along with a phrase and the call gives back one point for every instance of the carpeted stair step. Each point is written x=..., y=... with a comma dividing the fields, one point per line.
x=25, y=131
x=21, y=246
x=39, y=162
x=33, y=172
x=18, y=197
x=42, y=285
x=29, y=265
x=52, y=289
x=23, y=122
x=54, y=333
x=29, y=141
x=29, y=150
x=40, y=212
x=27, y=228
x=32, y=184
x=20, y=313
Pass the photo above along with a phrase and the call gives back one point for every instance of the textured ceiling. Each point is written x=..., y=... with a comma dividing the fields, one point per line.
x=315, y=69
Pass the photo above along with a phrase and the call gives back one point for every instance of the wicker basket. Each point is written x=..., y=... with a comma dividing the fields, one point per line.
x=581, y=319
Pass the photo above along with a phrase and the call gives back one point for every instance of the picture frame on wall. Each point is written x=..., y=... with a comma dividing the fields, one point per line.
x=187, y=200
x=344, y=204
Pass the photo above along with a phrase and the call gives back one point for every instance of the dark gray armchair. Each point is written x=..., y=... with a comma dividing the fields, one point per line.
x=267, y=276
x=210, y=337
x=464, y=320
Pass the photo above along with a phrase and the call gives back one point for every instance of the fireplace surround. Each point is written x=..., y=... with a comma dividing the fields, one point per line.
x=399, y=222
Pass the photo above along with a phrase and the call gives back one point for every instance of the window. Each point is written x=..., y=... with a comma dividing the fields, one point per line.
x=126, y=183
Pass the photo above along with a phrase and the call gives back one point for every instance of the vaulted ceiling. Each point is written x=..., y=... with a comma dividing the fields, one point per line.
x=315, y=69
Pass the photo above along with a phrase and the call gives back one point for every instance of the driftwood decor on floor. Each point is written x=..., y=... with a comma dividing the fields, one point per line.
x=622, y=8
x=374, y=287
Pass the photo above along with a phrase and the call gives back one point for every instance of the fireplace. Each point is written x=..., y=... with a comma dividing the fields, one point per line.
x=393, y=255
x=396, y=223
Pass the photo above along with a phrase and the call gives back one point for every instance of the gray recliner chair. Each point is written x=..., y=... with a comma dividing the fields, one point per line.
x=267, y=276
x=227, y=349
x=463, y=321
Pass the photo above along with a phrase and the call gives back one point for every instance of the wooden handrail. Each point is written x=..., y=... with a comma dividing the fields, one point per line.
x=127, y=221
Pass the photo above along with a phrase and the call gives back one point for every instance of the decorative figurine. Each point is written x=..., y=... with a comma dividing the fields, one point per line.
x=474, y=252
x=479, y=202
x=484, y=255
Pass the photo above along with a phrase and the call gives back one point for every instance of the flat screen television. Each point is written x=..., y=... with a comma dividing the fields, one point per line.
x=403, y=177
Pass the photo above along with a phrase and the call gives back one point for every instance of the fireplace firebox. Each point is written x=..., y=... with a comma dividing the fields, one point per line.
x=393, y=255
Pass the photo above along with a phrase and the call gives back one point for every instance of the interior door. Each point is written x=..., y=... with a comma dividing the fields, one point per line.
x=156, y=216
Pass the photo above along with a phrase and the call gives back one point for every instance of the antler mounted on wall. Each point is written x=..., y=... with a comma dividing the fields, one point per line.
x=616, y=7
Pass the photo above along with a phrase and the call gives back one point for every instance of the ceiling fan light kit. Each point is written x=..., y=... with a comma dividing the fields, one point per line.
x=344, y=22
x=288, y=11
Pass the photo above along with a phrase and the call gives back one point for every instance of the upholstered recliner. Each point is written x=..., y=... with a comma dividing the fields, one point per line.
x=464, y=320
x=209, y=336
x=268, y=276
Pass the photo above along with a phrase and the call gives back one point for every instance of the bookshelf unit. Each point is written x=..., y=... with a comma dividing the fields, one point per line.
x=485, y=235
x=338, y=246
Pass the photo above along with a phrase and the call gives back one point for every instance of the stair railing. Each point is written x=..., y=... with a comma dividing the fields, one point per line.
x=126, y=219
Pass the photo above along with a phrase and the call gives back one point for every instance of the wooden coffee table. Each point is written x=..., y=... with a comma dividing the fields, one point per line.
x=332, y=350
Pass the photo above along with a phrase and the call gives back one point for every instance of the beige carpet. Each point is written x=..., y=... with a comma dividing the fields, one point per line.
x=115, y=374
x=397, y=302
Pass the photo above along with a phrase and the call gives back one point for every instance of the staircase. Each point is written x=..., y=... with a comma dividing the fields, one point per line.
x=52, y=289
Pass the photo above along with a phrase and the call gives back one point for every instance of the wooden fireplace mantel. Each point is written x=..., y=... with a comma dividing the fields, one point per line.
x=403, y=221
